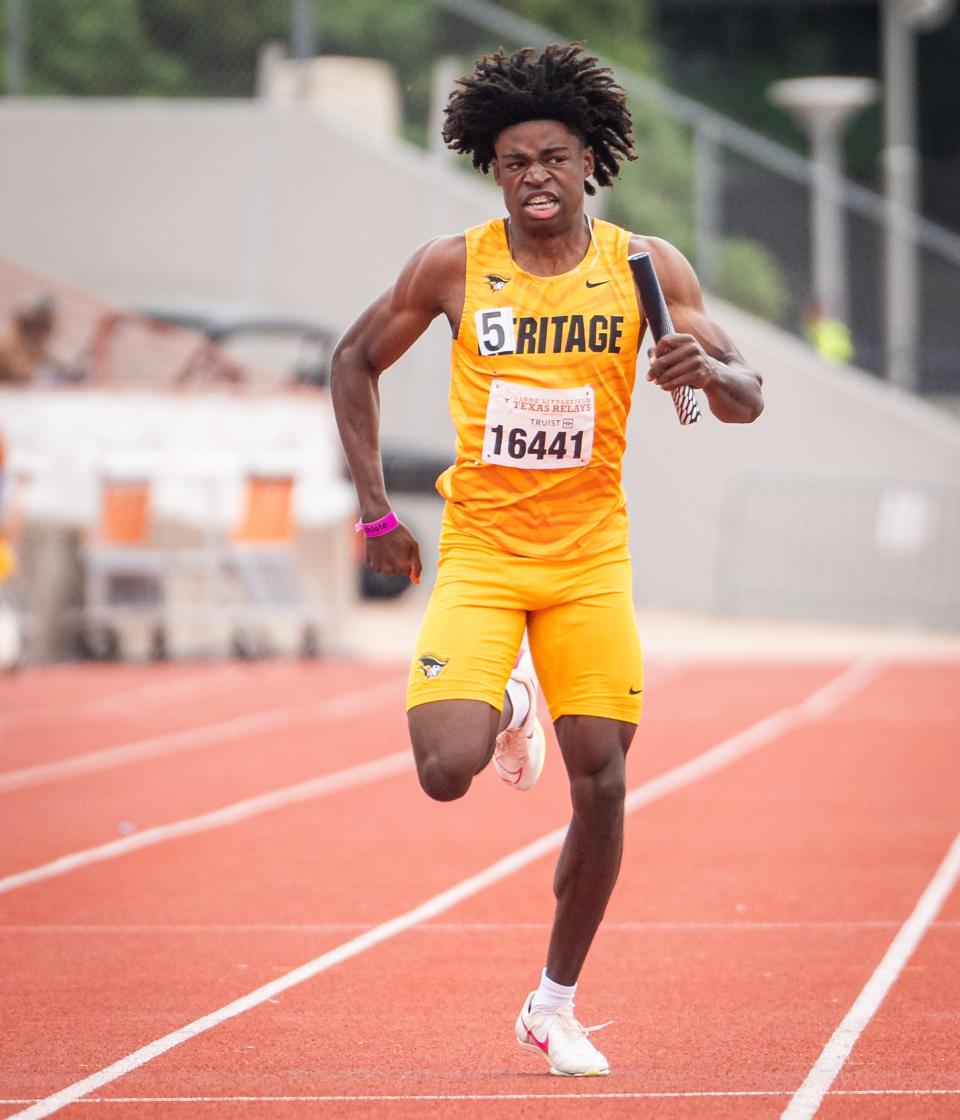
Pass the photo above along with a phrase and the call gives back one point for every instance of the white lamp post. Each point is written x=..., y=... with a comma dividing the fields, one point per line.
x=15, y=47
x=824, y=107
x=902, y=19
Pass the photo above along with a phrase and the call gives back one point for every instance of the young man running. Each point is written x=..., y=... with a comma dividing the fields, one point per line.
x=546, y=326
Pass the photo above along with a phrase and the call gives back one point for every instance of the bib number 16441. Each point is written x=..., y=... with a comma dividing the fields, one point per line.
x=538, y=429
x=518, y=443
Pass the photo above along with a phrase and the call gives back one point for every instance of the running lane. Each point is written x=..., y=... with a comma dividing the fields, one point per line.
x=357, y=857
x=198, y=757
x=752, y=908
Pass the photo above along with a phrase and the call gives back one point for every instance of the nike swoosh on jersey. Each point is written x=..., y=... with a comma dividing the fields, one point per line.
x=596, y=283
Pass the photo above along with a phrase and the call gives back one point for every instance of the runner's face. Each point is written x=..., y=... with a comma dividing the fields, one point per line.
x=541, y=167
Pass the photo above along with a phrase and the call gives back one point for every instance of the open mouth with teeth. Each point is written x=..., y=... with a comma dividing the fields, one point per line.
x=542, y=205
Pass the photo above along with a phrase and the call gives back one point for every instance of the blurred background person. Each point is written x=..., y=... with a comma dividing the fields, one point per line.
x=7, y=560
x=24, y=344
x=10, y=645
x=828, y=335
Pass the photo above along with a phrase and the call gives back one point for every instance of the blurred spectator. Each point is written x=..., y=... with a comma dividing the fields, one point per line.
x=24, y=345
x=7, y=559
x=11, y=644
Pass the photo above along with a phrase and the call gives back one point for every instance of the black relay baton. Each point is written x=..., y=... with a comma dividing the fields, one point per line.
x=658, y=316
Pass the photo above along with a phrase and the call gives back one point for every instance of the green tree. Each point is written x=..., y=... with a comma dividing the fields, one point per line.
x=202, y=48
x=96, y=48
x=617, y=29
x=218, y=41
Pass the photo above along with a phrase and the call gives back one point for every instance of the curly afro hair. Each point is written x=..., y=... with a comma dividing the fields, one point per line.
x=562, y=84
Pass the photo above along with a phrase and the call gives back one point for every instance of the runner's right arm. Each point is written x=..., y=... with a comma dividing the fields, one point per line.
x=430, y=284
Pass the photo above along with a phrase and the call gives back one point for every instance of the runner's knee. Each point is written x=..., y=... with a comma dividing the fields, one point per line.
x=452, y=741
x=441, y=778
x=597, y=797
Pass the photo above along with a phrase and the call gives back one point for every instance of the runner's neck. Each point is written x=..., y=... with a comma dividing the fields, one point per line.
x=556, y=255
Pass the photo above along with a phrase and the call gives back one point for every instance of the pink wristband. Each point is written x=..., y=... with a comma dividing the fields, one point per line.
x=380, y=528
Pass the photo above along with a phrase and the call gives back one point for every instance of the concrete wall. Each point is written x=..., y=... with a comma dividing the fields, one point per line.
x=235, y=204
x=286, y=209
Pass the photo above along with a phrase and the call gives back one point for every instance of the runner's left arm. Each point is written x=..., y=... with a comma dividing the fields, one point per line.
x=699, y=353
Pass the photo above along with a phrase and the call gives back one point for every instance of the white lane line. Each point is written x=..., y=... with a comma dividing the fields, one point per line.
x=387, y=1098
x=167, y=691
x=192, y=738
x=814, y=708
x=170, y=743
x=186, y=683
x=496, y=928
x=822, y=701
x=197, y=682
x=806, y=1101
x=851, y=679
x=374, y=771
x=260, y=927
x=668, y=927
x=331, y=1098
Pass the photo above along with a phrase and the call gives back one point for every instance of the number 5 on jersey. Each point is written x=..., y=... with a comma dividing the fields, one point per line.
x=495, y=331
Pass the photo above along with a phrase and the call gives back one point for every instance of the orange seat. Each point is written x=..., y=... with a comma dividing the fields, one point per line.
x=124, y=511
x=268, y=512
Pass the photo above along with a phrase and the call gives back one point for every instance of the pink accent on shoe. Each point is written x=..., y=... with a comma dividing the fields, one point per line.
x=519, y=751
x=544, y=1046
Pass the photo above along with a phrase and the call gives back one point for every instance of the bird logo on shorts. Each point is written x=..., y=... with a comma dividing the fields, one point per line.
x=432, y=666
x=496, y=282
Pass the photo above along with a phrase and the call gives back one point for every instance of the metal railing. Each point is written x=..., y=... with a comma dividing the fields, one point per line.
x=841, y=548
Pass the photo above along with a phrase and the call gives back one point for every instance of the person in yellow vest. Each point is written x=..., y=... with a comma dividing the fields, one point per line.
x=830, y=337
x=546, y=326
x=8, y=560
x=10, y=636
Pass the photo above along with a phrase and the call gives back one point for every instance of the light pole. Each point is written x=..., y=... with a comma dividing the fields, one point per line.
x=902, y=19
x=303, y=43
x=824, y=107
x=15, y=21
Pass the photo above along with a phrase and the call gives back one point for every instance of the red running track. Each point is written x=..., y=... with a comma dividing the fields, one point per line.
x=790, y=868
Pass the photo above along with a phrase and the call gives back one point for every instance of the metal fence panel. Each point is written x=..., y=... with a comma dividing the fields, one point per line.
x=842, y=549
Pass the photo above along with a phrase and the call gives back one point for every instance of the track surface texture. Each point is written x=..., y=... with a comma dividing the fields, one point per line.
x=223, y=894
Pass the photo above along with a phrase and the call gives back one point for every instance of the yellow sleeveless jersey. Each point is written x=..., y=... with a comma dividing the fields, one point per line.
x=542, y=372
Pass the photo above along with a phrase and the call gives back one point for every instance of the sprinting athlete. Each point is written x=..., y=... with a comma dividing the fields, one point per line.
x=546, y=327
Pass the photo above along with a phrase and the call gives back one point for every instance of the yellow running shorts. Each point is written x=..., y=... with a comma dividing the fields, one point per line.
x=579, y=617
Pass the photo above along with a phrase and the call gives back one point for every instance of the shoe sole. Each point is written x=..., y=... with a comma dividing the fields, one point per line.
x=514, y=778
x=559, y=1072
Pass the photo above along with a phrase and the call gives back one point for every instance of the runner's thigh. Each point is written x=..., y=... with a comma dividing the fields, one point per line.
x=587, y=648
x=470, y=635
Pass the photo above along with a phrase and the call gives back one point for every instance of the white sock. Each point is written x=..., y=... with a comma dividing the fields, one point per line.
x=551, y=996
x=519, y=702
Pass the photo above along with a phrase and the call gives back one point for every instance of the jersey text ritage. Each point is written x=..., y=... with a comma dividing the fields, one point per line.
x=568, y=334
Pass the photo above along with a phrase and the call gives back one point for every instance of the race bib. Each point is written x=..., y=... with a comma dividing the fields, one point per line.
x=538, y=429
